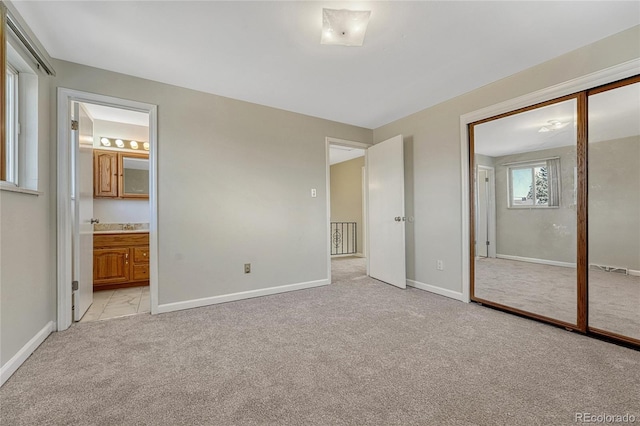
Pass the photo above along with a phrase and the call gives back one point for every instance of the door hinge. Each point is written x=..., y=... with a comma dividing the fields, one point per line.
x=488, y=243
x=486, y=179
x=74, y=124
x=74, y=285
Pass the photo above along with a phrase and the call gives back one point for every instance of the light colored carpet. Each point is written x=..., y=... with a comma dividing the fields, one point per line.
x=614, y=299
x=357, y=352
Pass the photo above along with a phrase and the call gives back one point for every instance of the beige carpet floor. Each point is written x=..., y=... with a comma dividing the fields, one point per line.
x=614, y=299
x=357, y=352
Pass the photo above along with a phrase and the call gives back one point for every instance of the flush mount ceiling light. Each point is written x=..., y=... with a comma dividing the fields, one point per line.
x=344, y=27
x=552, y=125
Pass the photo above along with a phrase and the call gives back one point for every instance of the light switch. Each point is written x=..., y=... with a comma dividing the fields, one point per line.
x=314, y=194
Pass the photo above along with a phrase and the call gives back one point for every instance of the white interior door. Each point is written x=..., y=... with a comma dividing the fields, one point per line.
x=385, y=168
x=482, y=213
x=83, y=212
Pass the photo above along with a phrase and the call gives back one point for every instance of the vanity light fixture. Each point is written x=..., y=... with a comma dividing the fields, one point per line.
x=344, y=27
x=551, y=126
x=124, y=143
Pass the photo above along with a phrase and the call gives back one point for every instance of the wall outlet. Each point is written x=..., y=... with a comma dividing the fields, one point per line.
x=247, y=268
x=314, y=193
x=439, y=265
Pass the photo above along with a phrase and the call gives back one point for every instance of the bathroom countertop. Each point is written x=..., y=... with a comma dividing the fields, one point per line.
x=123, y=231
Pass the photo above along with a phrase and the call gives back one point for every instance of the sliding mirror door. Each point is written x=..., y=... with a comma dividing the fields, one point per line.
x=524, y=211
x=614, y=210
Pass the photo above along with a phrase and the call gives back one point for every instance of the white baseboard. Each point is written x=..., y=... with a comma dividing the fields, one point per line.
x=19, y=358
x=634, y=272
x=437, y=290
x=206, y=301
x=534, y=260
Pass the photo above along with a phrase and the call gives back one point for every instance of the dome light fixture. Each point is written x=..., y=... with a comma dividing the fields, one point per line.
x=552, y=125
x=344, y=27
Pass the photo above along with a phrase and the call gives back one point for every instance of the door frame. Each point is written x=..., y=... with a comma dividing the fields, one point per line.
x=607, y=75
x=63, y=187
x=491, y=208
x=365, y=207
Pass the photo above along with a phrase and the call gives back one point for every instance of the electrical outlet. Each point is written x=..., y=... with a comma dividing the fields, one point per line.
x=439, y=265
x=314, y=193
x=247, y=268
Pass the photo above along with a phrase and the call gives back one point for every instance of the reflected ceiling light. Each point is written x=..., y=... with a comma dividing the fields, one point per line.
x=344, y=27
x=552, y=125
x=146, y=146
x=105, y=142
x=133, y=144
x=119, y=143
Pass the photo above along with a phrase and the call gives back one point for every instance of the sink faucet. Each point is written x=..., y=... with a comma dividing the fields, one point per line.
x=128, y=227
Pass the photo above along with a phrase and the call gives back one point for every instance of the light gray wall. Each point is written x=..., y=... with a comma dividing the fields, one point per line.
x=614, y=203
x=234, y=186
x=346, y=195
x=116, y=210
x=433, y=161
x=539, y=233
x=27, y=250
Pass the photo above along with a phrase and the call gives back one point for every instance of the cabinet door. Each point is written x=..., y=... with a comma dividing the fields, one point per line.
x=111, y=266
x=105, y=174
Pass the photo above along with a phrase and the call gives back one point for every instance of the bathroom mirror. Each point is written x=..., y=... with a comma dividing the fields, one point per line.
x=135, y=175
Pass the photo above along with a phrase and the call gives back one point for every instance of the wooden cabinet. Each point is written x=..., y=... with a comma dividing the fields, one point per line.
x=120, y=260
x=120, y=174
x=105, y=174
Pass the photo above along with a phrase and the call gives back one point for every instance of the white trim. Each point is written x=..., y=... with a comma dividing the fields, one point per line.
x=64, y=226
x=437, y=290
x=10, y=187
x=206, y=301
x=334, y=256
x=634, y=273
x=608, y=75
x=534, y=260
x=342, y=142
x=25, y=352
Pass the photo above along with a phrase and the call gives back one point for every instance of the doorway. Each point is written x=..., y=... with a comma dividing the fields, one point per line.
x=111, y=211
x=485, y=212
x=346, y=207
x=74, y=194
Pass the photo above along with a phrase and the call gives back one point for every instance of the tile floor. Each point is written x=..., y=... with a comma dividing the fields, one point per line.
x=118, y=303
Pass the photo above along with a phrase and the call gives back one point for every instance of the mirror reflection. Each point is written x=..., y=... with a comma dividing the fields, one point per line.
x=525, y=211
x=135, y=172
x=614, y=211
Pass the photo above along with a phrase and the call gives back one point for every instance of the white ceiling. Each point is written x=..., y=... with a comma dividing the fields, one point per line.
x=340, y=154
x=415, y=54
x=118, y=115
x=613, y=115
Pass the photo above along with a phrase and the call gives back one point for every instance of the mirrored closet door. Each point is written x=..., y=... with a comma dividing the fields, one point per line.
x=525, y=211
x=614, y=210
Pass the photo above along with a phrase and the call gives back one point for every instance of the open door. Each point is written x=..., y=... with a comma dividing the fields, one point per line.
x=385, y=164
x=83, y=212
x=482, y=212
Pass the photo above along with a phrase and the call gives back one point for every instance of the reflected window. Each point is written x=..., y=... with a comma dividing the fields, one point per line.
x=534, y=184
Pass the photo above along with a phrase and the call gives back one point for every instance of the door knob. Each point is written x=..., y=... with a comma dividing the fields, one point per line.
x=95, y=221
x=397, y=218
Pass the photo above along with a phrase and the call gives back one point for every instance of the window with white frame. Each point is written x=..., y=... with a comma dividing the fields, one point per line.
x=21, y=125
x=12, y=124
x=534, y=184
